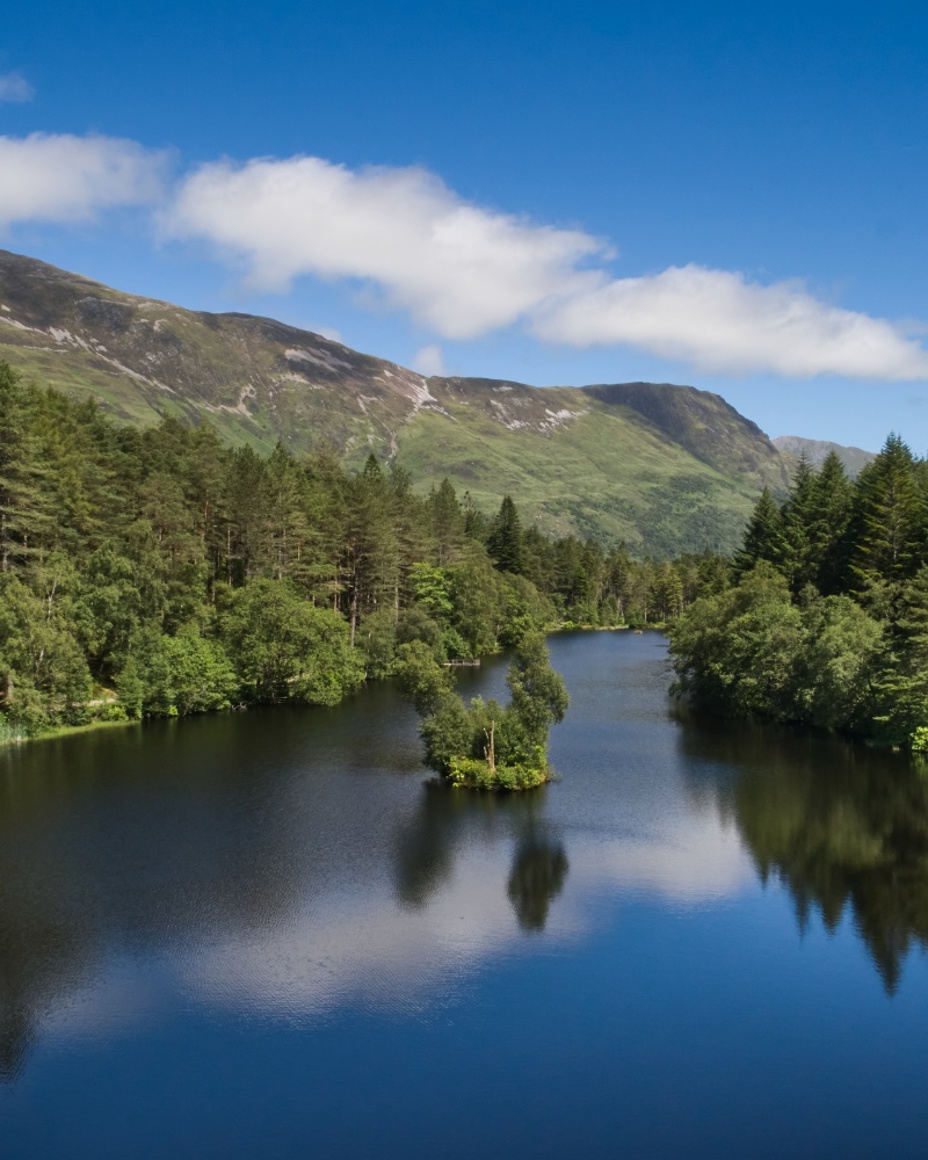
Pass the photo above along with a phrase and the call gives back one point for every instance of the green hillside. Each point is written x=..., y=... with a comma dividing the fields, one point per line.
x=663, y=467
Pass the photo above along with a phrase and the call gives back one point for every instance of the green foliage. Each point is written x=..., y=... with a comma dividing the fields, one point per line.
x=505, y=539
x=188, y=575
x=451, y=730
x=471, y=773
x=432, y=590
x=736, y=653
x=377, y=641
x=285, y=649
x=201, y=677
x=919, y=739
x=831, y=626
x=539, y=696
x=420, y=677
x=485, y=745
x=764, y=538
x=841, y=650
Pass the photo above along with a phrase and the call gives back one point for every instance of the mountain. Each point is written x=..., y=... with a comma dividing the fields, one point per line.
x=816, y=451
x=665, y=468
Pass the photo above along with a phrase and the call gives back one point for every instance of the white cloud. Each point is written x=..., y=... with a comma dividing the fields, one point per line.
x=14, y=88
x=464, y=270
x=429, y=361
x=62, y=178
x=458, y=268
x=718, y=321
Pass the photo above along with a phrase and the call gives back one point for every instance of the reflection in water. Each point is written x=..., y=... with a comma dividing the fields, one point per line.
x=538, y=872
x=449, y=819
x=839, y=824
x=109, y=849
x=263, y=934
x=297, y=862
x=191, y=848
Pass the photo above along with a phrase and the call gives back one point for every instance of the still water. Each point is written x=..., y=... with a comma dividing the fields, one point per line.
x=269, y=934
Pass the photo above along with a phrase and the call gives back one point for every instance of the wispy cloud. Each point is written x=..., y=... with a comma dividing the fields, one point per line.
x=464, y=270
x=460, y=269
x=429, y=360
x=718, y=321
x=14, y=88
x=63, y=178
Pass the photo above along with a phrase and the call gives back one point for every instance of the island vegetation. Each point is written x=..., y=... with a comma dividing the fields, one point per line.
x=826, y=623
x=157, y=571
x=485, y=745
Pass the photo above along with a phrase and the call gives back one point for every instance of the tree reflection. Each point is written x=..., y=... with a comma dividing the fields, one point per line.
x=448, y=818
x=424, y=845
x=98, y=851
x=539, y=869
x=839, y=824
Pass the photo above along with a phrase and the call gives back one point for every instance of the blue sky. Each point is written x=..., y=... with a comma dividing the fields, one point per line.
x=556, y=193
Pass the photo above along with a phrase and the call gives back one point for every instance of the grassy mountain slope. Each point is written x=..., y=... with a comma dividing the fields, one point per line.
x=665, y=468
x=580, y=464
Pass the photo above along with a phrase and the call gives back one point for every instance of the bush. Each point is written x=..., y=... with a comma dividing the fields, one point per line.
x=472, y=773
x=919, y=740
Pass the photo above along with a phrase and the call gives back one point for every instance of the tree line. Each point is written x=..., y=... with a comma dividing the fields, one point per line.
x=153, y=572
x=826, y=622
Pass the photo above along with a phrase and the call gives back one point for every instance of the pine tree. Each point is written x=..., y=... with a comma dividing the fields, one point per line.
x=504, y=542
x=764, y=537
x=447, y=522
x=888, y=519
x=829, y=544
x=26, y=511
x=799, y=521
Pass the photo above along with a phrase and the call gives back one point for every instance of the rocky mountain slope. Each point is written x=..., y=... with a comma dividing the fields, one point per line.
x=816, y=451
x=664, y=467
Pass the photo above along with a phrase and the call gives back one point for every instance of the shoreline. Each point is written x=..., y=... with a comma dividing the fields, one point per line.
x=59, y=731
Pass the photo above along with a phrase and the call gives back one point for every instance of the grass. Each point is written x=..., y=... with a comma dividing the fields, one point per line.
x=604, y=474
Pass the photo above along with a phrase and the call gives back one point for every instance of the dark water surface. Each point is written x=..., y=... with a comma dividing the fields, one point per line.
x=266, y=934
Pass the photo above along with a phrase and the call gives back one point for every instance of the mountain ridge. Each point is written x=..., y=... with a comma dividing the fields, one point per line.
x=664, y=467
x=854, y=459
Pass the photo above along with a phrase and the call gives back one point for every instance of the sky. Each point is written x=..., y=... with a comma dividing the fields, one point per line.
x=719, y=194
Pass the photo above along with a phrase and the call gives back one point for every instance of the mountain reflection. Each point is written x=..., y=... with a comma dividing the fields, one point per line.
x=839, y=824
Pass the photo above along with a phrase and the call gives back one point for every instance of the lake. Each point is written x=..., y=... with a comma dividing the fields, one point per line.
x=270, y=934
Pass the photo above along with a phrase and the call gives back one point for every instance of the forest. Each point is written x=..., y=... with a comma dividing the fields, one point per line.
x=158, y=572
x=826, y=623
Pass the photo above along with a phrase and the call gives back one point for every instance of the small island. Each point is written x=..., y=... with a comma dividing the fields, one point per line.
x=485, y=745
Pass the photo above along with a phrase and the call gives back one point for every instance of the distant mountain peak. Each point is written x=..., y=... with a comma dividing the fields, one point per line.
x=817, y=451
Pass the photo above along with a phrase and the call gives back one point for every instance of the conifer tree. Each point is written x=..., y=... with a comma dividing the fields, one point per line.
x=799, y=522
x=888, y=518
x=504, y=542
x=829, y=545
x=764, y=537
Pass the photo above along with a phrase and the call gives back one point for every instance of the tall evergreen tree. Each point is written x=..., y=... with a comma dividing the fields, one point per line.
x=447, y=522
x=888, y=518
x=800, y=521
x=504, y=542
x=764, y=538
x=828, y=540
